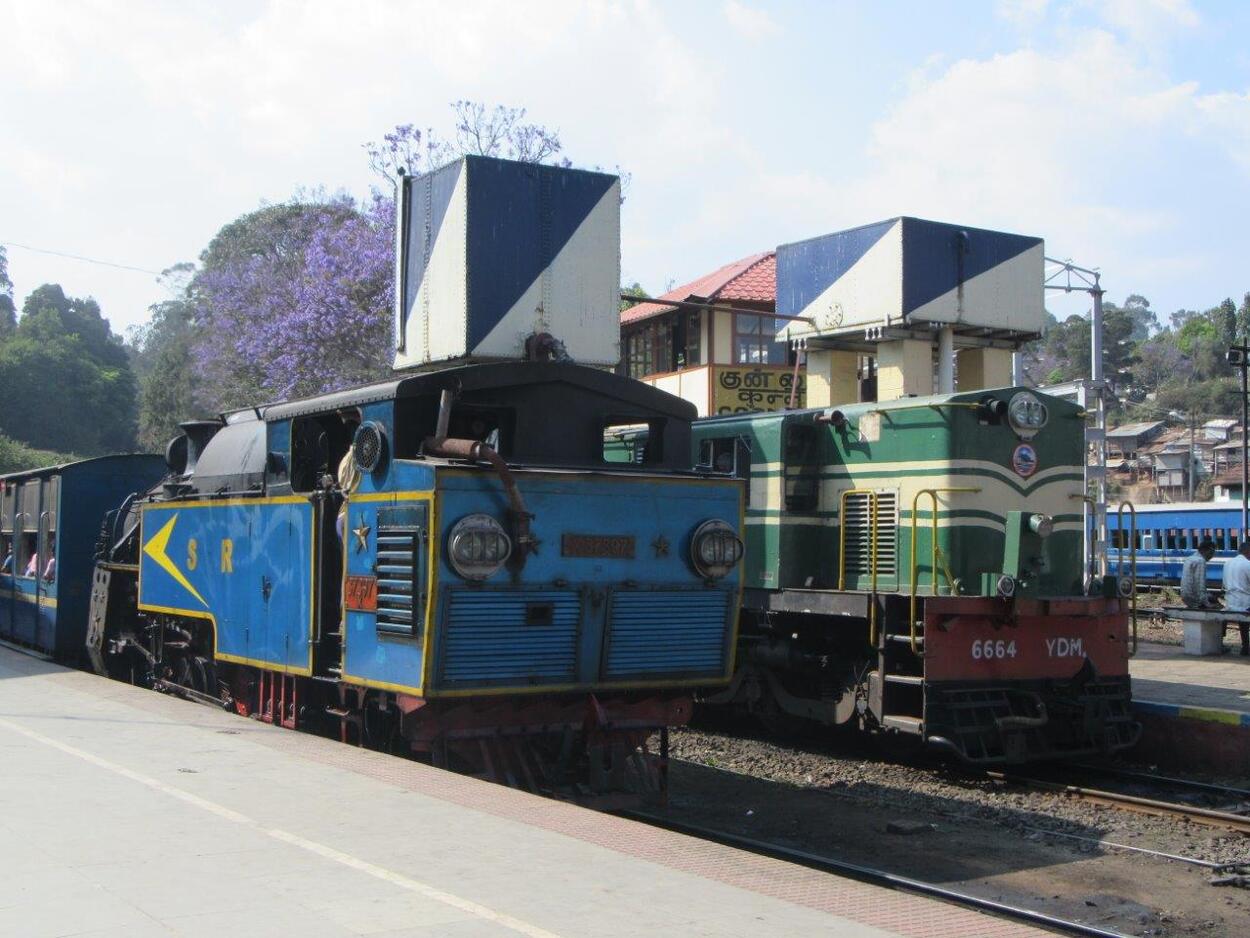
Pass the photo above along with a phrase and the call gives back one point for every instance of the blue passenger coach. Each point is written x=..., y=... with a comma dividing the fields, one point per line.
x=49, y=526
x=1168, y=533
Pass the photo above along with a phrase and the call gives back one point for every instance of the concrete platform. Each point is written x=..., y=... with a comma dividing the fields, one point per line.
x=126, y=813
x=1195, y=710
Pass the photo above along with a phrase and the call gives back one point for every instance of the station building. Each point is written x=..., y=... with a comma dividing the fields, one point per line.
x=900, y=308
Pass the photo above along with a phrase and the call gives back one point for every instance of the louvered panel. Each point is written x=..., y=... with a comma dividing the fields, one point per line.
x=857, y=521
x=668, y=632
x=399, y=576
x=525, y=637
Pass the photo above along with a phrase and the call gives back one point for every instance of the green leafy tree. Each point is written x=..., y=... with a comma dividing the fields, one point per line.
x=66, y=378
x=1243, y=320
x=8, y=313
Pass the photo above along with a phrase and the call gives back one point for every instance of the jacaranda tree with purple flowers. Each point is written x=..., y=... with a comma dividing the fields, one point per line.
x=295, y=299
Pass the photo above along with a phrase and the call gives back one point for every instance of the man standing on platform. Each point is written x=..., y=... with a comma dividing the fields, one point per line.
x=1194, y=577
x=1237, y=590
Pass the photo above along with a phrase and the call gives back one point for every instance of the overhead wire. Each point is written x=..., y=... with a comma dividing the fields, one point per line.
x=80, y=257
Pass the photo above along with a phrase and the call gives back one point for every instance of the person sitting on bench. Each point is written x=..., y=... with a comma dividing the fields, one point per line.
x=1237, y=590
x=1194, y=577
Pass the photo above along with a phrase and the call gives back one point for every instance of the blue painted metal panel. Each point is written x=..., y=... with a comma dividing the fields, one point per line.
x=806, y=269
x=682, y=630
x=667, y=631
x=938, y=257
x=520, y=216
x=488, y=636
x=246, y=564
x=384, y=658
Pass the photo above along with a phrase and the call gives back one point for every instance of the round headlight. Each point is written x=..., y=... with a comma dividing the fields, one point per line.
x=1006, y=586
x=478, y=547
x=1027, y=414
x=1124, y=587
x=715, y=549
x=1041, y=525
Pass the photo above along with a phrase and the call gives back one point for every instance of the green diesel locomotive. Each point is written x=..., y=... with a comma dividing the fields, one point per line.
x=917, y=566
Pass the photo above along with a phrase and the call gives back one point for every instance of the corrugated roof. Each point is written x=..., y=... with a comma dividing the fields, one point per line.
x=749, y=280
x=1134, y=429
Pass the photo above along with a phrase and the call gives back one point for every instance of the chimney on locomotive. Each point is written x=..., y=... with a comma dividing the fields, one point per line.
x=502, y=261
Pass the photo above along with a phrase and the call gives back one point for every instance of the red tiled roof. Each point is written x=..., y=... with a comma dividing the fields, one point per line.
x=750, y=280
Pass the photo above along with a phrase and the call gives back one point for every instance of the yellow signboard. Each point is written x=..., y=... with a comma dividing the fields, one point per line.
x=744, y=389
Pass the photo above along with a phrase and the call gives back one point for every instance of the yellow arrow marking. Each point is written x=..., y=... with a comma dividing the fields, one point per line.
x=155, y=548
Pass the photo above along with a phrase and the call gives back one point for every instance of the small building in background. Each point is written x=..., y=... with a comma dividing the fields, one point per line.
x=1125, y=441
x=714, y=341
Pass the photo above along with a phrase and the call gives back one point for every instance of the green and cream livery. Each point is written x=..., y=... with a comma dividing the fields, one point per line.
x=1000, y=467
x=916, y=567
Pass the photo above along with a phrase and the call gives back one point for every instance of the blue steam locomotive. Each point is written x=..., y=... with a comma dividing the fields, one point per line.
x=440, y=565
x=451, y=563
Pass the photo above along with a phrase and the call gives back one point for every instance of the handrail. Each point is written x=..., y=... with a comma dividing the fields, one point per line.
x=872, y=526
x=40, y=563
x=932, y=405
x=1132, y=557
x=1087, y=561
x=915, y=567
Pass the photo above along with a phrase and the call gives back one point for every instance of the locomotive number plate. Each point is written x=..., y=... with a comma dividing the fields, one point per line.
x=361, y=593
x=614, y=546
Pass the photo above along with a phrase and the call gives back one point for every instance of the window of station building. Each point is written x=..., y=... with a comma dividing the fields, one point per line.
x=755, y=341
x=801, y=467
x=666, y=343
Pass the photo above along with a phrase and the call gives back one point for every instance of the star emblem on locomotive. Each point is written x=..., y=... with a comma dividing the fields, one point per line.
x=361, y=533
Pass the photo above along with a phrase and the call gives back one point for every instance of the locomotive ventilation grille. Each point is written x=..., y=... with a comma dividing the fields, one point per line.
x=501, y=635
x=858, y=523
x=397, y=574
x=668, y=632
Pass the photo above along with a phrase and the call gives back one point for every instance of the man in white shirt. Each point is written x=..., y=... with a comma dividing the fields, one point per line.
x=1194, y=576
x=1237, y=589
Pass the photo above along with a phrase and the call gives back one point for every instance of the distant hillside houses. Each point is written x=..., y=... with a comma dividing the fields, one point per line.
x=1156, y=459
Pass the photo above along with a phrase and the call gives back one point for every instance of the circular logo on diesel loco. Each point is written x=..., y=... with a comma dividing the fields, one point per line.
x=1024, y=460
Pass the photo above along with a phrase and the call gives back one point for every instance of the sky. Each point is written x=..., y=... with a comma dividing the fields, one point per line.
x=1118, y=130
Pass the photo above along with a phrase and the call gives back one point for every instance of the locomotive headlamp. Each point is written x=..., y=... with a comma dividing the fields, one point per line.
x=1124, y=586
x=1041, y=525
x=1006, y=586
x=1027, y=414
x=478, y=547
x=715, y=549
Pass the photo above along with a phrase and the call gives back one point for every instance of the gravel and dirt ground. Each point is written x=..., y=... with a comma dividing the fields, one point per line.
x=856, y=800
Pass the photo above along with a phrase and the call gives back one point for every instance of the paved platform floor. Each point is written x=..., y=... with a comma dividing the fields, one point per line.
x=1163, y=674
x=127, y=813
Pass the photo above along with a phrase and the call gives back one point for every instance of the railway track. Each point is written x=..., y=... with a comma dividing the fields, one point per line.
x=876, y=877
x=1196, y=814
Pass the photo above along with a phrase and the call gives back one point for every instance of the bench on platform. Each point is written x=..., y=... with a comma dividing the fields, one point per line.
x=1204, y=628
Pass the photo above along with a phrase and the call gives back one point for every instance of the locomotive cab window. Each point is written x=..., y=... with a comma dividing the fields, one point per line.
x=631, y=440
x=318, y=445
x=802, y=482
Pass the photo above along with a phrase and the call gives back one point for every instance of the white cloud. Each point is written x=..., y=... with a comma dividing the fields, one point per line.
x=750, y=22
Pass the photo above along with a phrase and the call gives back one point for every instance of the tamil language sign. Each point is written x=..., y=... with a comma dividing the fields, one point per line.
x=745, y=389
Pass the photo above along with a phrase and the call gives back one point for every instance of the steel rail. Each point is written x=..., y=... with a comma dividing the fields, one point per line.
x=1134, y=776
x=1152, y=806
x=871, y=875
